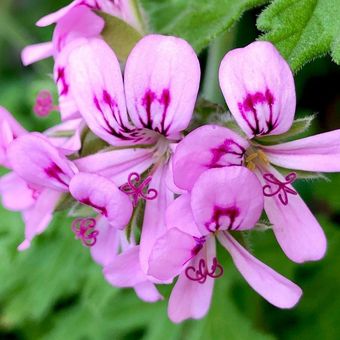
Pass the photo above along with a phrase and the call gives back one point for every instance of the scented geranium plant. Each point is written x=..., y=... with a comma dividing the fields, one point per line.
x=150, y=184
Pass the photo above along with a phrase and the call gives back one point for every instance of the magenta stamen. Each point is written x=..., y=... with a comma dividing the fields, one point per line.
x=200, y=275
x=44, y=104
x=282, y=189
x=84, y=230
x=136, y=188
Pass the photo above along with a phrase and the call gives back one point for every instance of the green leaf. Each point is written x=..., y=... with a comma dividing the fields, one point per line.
x=120, y=36
x=197, y=21
x=302, y=29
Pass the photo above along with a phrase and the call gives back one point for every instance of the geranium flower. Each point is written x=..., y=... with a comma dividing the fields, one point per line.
x=258, y=86
x=221, y=201
x=159, y=104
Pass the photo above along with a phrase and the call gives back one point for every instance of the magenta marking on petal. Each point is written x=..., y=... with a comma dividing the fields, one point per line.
x=61, y=77
x=217, y=222
x=229, y=146
x=202, y=272
x=248, y=105
x=44, y=104
x=87, y=201
x=136, y=188
x=148, y=99
x=84, y=230
x=35, y=192
x=282, y=189
x=54, y=171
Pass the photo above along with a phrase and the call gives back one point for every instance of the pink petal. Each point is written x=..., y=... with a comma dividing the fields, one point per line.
x=162, y=77
x=147, y=292
x=106, y=246
x=191, y=299
x=258, y=87
x=97, y=87
x=124, y=270
x=39, y=216
x=207, y=147
x=16, y=193
x=16, y=128
x=272, y=286
x=33, y=53
x=79, y=22
x=117, y=164
x=228, y=198
x=154, y=217
x=68, y=145
x=67, y=106
x=171, y=253
x=296, y=229
x=38, y=162
x=104, y=196
x=316, y=153
x=179, y=215
x=56, y=16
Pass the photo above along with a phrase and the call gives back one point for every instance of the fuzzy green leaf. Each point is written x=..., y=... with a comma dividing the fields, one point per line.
x=197, y=21
x=302, y=29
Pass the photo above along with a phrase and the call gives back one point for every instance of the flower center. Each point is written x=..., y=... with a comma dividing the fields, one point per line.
x=201, y=273
x=254, y=158
x=84, y=230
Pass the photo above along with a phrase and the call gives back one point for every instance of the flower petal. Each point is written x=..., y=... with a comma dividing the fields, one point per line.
x=154, y=224
x=104, y=196
x=179, y=215
x=38, y=162
x=272, y=286
x=39, y=216
x=70, y=144
x=316, y=153
x=56, y=16
x=207, y=147
x=79, y=22
x=124, y=270
x=228, y=198
x=106, y=246
x=97, y=88
x=162, y=77
x=16, y=193
x=33, y=53
x=296, y=229
x=147, y=292
x=258, y=87
x=117, y=164
x=171, y=253
x=191, y=299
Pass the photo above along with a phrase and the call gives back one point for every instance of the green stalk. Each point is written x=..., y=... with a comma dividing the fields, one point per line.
x=218, y=48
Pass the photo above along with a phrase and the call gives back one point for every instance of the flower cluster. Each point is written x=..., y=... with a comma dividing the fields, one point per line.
x=155, y=201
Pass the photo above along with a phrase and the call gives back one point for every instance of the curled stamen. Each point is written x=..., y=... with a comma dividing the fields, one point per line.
x=282, y=189
x=200, y=275
x=84, y=230
x=44, y=104
x=136, y=188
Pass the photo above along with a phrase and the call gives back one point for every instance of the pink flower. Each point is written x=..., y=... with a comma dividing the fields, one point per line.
x=187, y=249
x=142, y=119
x=258, y=86
x=9, y=130
x=35, y=201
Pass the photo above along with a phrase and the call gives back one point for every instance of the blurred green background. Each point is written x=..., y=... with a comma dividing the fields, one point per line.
x=54, y=290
